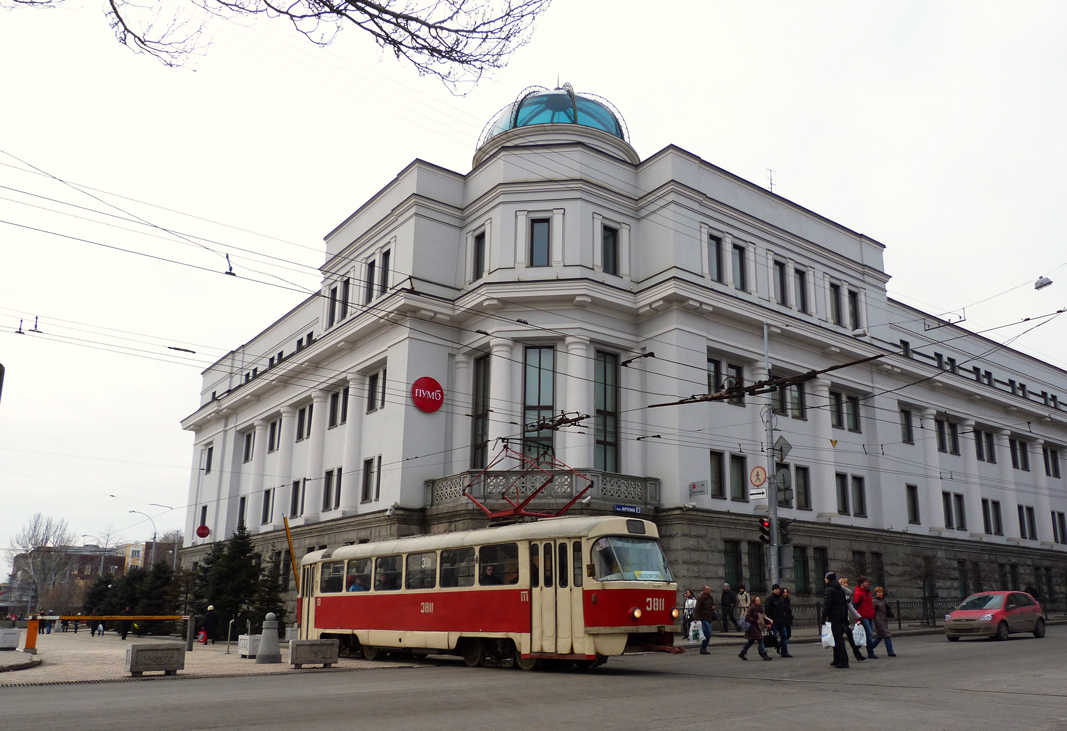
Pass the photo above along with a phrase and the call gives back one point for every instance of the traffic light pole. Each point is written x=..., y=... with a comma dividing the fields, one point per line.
x=772, y=476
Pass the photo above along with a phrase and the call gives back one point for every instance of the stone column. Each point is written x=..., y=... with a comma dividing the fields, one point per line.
x=934, y=507
x=972, y=496
x=284, y=478
x=351, y=464
x=259, y=462
x=1009, y=502
x=501, y=396
x=1042, y=504
x=462, y=405
x=578, y=448
x=313, y=474
x=823, y=488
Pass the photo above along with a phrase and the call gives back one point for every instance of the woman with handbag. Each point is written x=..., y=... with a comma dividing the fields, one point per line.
x=882, y=614
x=757, y=624
x=688, y=605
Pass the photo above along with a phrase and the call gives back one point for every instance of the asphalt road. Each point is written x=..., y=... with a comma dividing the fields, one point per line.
x=932, y=684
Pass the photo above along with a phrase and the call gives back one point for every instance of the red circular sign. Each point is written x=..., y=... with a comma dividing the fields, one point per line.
x=427, y=394
x=203, y=531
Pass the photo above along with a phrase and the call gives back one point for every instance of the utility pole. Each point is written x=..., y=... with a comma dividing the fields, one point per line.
x=772, y=477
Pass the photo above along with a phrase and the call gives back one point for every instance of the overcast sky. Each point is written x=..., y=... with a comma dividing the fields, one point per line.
x=934, y=128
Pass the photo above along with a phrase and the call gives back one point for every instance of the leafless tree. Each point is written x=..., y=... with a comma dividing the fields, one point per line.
x=455, y=40
x=39, y=554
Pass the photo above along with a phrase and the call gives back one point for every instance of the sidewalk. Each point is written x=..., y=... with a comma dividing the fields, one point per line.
x=65, y=657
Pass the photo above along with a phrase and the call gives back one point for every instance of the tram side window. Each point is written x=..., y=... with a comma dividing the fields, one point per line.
x=576, y=564
x=535, y=566
x=504, y=560
x=387, y=573
x=358, y=575
x=422, y=570
x=332, y=577
x=457, y=567
x=563, y=565
x=548, y=565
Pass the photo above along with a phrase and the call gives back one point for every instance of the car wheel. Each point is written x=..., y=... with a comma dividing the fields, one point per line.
x=473, y=652
x=953, y=638
x=372, y=653
x=1002, y=631
x=1039, y=628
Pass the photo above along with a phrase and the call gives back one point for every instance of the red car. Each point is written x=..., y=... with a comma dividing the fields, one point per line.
x=995, y=614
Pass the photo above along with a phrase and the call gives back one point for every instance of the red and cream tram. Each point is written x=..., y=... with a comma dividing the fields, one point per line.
x=574, y=589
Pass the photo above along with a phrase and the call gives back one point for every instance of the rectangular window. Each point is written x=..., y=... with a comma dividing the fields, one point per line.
x=802, y=481
x=714, y=372
x=716, y=486
x=859, y=562
x=836, y=316
x=953, y=437
x=331, y=311
x=250, y=440
x=738, y=477
x=942, y=443
x=946, y=506
x=1061, y=521
x=210, y=452
x=303, y=422
x=739, y=255
x=421, y=571
x=327, y=490
x=715, y=258
x=987, y=519
x=784, y=496
x=296, y=499
x=337, y=488
x=273, y=435
x=998, y=524
x=821, y=560
x=731, y=554
x=606, y=403
x=383, y=278
x=801, y=575
x=961, y=573
x=268, y=506
x=457, y=567
x=376, y=391
x=368, y=282
x=905, y=348
x=332, y=577
x=800, y=285
x=335, y=408
x=961, y=511
x=912, y=495
x=907, y=431
x=859, y=497
x=854, y=310
x=990, y=453
x=781, y=286
x=369, y=480
x=837, y=409
x=346, y=286
x=540, y=240
x=852, y=413
x=609, y=249
x=841, y=481
x=1013, y=448
x=504, y=560
x=1031, y=523
x=387, y=573
x=757, y=568
x=735, y=379
x=478, y=257
x=1052, y=461
x=538, y=398
x=798, y=406
x=778, y=404
x=203, y=515
x=242, y=504
x=480, y=414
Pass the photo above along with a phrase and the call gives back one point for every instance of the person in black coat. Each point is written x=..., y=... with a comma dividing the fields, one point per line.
x=728, y=602
x=211, y=623
x=775, y=608
x=835, y=611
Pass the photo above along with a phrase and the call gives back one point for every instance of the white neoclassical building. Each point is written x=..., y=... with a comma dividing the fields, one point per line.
x=563, y=274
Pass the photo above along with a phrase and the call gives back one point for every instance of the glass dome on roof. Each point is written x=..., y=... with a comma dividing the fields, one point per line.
x=538, y=105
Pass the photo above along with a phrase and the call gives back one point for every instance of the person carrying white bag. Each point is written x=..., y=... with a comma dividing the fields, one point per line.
x=704, y=614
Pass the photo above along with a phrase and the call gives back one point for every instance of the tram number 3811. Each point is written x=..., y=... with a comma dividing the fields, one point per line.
x=655, y=604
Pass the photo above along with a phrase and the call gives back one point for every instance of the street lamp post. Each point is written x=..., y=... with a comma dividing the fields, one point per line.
x=153, y=561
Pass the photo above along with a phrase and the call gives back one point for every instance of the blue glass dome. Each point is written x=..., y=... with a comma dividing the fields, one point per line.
x=538, y=105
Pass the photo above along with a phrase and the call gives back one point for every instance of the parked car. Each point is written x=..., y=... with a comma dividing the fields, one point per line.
x=995, y=614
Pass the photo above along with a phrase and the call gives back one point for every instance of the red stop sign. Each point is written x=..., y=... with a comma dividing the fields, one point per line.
x=203, y=531
x=427, y=394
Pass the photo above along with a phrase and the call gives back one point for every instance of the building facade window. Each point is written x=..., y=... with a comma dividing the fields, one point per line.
x=852, y=413
x=250, y=441
x=821, y=560
x=478, y=257
x=841, y=482
x=738, y=477
x=739, y=255
x=368, y=281
x=1059, y=525
x=837, y=409
x=1020, y=457
x=716, y=485
x=376, y=391
x=854, y=315
x=383, y=276
x=331, y=311
x=907, y=429
x=303, y=422
x=991, y=517
x=836, y=314
x=274, y=432
x=203, y=515
x=338, y=407
x=1027, y=523
x=785, y=497
x=946, y=505
x=961, y=511
x=802, y=480
x=606, y=404
x=801, y=570
x=757, y=568
x=715, y=257
x=800, y=287
x=208, y=455
x=1052, y=461
x=346, y=290
x=859, y=497
x=984, y=446
x=911, y=493
x=539, y=371
x=731, y=553
x=781, y=286
x=480, y=414
x=609, y=250
x=540, y=242
x=296, y=499
x=266, y=515
x=242, y=504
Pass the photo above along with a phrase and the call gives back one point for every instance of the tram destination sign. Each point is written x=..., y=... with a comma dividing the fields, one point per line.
x=635, y=509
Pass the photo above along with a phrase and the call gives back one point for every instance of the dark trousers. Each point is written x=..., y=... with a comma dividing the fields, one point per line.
x=840, y=629
x=728, y=617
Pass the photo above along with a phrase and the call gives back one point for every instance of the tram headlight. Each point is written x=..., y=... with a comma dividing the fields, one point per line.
x=675, y=613
x=636, y=612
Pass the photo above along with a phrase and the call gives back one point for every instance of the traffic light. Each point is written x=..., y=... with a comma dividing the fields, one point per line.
x=785, y=530
x=765, y=530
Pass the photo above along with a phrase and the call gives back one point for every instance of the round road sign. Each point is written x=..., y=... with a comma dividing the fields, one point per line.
x=758, y=476
x=203, y=531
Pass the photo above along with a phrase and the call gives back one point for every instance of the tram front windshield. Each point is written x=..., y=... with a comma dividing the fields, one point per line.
x=621, y=558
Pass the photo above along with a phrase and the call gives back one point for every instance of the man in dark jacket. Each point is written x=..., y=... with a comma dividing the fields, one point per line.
x=728, y=602
x=835, y=611
x=774, y=608
x=705, y=613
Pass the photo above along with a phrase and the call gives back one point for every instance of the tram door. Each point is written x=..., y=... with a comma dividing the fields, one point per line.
x=552, y=598
x=307, y=603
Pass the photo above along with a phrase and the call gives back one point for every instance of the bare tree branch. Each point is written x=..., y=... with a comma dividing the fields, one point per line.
x=39, y=554
x=455, y=40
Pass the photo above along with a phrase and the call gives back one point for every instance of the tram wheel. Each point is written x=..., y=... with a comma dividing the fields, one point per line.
x=525, y=663
x=473, y=652
x=372, y=653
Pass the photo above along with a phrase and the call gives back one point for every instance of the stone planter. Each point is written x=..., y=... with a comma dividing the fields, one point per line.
x=9, y=638
x=248, y=645
x=168, y=657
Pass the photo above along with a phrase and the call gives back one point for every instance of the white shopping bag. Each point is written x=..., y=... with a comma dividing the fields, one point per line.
x=696, y=632
x=859, y=635
x=827, y=635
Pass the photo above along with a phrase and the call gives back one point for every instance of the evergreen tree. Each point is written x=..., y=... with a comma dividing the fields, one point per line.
x=153, y=599
x=233, y=581
x=269, y=598
x=204, y=590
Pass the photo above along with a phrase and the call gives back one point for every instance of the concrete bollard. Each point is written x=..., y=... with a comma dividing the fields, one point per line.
x=269, y=650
